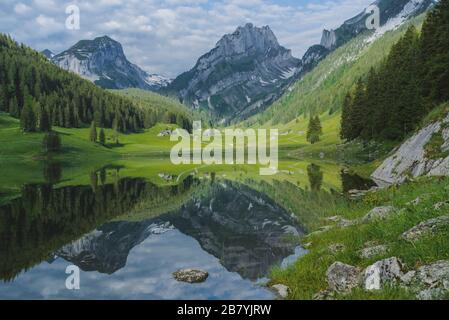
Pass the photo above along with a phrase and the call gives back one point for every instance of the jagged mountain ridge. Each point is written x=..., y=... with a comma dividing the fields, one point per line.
x=248, y=70
x=392, y=14
x=244, y=72
x=103, y=62
x=48, y=53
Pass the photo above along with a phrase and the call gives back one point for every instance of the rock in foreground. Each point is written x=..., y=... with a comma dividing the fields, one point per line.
x=430, y=282
x=282, y=290
x=382, y=273
x=342, y=278
x=427, y=228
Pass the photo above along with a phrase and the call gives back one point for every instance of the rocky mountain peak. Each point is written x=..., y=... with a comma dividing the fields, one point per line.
x=103, y=61
x=48, y=53
x=329, y=39
x=246, y=71
x=248, y=39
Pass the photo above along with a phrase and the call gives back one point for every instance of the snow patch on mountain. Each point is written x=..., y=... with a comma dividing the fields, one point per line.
x=411, y=9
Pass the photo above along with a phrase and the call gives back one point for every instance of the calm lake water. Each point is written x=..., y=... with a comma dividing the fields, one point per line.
x=128, y=236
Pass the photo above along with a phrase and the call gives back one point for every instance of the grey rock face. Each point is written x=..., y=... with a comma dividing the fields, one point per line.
x=379, y=213
x=429, y=282
x=381, y=273
x=48, y=54
x=329, y=39
x=246, y=70
x=391, y=13
x=410, y=159
x=427, y=228
x=103, y=62
x=191, y=276
x=343, y=278
x=282, y=290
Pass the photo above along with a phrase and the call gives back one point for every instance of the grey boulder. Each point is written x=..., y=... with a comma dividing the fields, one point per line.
x=190, y=276
x=342, y=278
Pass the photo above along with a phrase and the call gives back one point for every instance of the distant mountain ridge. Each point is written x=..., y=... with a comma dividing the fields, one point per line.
x=323, y=89
x=103, y=62
x=392, y=14
x=246, y=70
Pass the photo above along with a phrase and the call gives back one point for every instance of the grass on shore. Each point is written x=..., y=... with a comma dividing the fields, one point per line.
x=308, y=275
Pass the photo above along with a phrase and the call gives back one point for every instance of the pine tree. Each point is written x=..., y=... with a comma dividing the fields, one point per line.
x=102, y=137
x=93, y=132
x=28, y=117
x=314, y=130
x=345, y=132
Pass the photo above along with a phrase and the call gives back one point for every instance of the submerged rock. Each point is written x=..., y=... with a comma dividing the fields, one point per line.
x=381, y=273
x=426, y=228
x=191, y=276
x=343, y=278
x=282, y=290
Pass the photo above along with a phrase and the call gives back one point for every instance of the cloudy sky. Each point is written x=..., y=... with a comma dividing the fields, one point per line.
x=167, y=36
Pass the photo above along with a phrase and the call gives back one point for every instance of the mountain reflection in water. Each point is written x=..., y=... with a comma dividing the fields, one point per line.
x=235, y=231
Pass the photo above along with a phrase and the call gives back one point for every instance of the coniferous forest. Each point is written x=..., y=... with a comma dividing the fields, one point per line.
x=393, y=99
x=41, y=94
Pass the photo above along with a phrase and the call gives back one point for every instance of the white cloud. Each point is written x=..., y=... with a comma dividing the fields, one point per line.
x=21, y=8
x=167, y=36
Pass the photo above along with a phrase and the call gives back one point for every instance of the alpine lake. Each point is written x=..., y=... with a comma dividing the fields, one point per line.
x=128, y=226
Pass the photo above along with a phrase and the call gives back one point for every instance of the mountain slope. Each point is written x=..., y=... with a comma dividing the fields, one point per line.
x=244, y=72
x=162, y=107
x=103, y=62
x=324, y=89
x=248, y=70
x=392, y=14
x=29, y=80
x=48, y=54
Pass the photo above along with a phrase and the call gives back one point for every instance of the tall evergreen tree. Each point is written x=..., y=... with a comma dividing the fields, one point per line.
x=314, y=130
x=93, y=132
x=102, y=137
x=345, y=132
x=28, y=117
